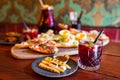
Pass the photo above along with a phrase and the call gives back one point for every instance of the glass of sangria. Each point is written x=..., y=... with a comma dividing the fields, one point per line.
x=30, y=33
x=89, y=55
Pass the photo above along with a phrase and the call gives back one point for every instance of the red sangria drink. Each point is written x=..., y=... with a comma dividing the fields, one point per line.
x=30, y=33
x=47, y=20
x=89, y=55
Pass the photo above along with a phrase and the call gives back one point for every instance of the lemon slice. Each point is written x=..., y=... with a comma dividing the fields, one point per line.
x=81, y=36
x=64, y=33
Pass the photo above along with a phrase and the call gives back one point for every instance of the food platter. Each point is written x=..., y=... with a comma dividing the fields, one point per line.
x=71, y=63
x=2, y=41
x=11, y=38
x=26, y=53
x=66, y=48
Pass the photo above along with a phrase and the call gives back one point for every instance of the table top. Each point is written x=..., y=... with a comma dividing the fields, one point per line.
x=17, y=69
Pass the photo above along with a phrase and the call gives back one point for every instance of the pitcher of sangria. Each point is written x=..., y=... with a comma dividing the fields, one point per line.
x=47, y=20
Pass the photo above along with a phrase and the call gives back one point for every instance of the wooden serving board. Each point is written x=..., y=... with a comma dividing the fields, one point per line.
x=30, y=54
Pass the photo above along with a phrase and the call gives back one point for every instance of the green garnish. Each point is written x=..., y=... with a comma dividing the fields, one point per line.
x=44, y=46
x=56, y=36
x=62, y=39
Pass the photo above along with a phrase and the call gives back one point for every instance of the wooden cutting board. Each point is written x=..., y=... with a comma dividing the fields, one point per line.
x=30, y=54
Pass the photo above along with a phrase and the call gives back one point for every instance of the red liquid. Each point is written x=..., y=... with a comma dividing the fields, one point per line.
x=89, y=56
x=33, y=33
x=47, y=20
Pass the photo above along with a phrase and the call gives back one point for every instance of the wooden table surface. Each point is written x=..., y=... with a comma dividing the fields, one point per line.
x=17, y=69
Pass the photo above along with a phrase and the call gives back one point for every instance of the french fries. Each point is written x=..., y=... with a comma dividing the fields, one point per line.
x=53, y=65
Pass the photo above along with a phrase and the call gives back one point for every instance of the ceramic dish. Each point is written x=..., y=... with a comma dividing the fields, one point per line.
x=2, y=41
x=71, y=63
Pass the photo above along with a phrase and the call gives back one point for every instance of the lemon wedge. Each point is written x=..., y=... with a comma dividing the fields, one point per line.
x=64, y=33
x=81, y=36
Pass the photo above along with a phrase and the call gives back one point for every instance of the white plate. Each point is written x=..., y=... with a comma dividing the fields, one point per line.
x=105, y=42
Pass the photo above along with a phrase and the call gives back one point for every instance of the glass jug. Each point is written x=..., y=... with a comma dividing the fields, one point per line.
x=47, y=20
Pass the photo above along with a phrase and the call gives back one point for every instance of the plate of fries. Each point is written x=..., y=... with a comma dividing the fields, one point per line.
x=49, y=66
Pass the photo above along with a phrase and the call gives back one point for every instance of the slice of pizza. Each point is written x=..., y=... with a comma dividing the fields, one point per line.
x=23, y=44
x=47, y=47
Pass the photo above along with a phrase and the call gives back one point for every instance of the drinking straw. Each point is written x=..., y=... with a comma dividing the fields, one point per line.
x=98, y=36
x=80, y=16
x=25, y=26
x=41, y=2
